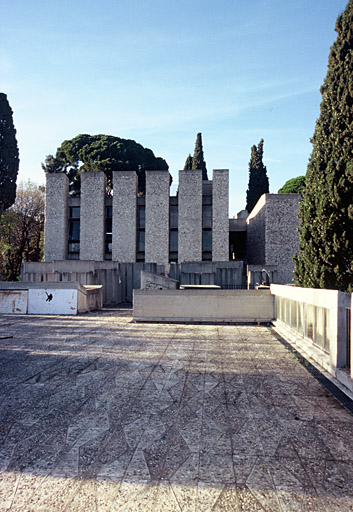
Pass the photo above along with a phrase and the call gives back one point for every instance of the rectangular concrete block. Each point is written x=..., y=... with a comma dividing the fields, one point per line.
x=56, y=217
x=13, y=301
x=92, y=224
x=190, y=216
x=124, y=216
x=203, y=305
x=220, y=214
x=157, y=217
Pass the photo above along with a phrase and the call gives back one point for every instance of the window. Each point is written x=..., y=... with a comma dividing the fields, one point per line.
x=74, y=233
x=206, y=245
x=207, y=228
x=173, y=233
x=140, y=235
x=108, y=231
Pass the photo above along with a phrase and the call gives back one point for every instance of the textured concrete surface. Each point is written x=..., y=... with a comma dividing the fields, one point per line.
x=220, y=215
x=56, y=216
x=101, y=414
x=190, y=216
x=92, y=219
x=157, y=217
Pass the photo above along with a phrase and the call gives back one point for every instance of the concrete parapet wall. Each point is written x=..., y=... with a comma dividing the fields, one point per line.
x=56, y=217
x=220, y=214
x=203, y=305
x=157, y=217
x=118, y=279
x=226, y=274
x=190, y=216
x=334, y=328
x=92, y=221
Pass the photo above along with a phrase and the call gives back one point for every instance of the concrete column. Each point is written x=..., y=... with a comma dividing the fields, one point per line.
x=220, y=215
x=92, y=222
x=124, y=216
x=190, y=216
x=157, y=217
x=56, y=217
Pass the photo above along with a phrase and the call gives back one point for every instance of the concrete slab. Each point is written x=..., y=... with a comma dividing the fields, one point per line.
x=101, y=414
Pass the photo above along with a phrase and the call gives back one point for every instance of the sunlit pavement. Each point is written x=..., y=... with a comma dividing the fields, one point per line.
x=98, y=413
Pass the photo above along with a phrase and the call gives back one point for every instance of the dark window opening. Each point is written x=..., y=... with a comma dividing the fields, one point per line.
x=140, y=234
x=237, y=245
x=207, y=228
x=108, y=231
x=74, y=233
x=173, y=246
x=207, y=245
x=173, y=233
x=207, y=216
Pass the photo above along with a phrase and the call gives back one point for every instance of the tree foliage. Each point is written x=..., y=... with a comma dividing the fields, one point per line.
x=293, y=186
x=258, y=180
x=198, y=161
x=102, y=153
x=188, y=163
x=9, y=158
x=21, y=230
x=325, y=258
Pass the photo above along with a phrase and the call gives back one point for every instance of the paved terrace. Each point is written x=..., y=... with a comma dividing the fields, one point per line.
x=100, y=414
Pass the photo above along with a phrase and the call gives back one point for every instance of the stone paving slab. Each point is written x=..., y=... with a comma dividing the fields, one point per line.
x=100, y=414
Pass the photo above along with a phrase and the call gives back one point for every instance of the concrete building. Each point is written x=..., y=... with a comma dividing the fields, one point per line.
x=187, y=236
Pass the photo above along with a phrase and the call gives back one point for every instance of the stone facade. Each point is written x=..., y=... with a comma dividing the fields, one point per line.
x=220, y=220
x=131, y=229
x=56, y=217
x=92, y=222
x=124, y=217
x=157, y=217
x=272, y=237
x=190, y=216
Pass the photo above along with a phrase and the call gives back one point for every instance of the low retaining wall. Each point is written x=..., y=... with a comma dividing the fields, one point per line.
x=49, y=298
x=214, y=306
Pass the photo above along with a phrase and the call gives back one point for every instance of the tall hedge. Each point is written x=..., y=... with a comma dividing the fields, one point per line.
x=9, y=157
x=325, y=258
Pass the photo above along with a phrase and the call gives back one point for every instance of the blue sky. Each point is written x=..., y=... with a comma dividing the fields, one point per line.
x=158, y=72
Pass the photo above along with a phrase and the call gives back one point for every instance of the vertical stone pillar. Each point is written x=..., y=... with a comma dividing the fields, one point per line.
x=157, y=217
x=56, y=217
x=220, y=215
x=124, y=216
x=190, y=216
x=92, y=222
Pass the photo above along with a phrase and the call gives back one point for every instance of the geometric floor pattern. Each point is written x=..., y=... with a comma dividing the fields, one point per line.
x=100, y=414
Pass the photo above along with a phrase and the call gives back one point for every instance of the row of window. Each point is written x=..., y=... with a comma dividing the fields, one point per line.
x=74, y=232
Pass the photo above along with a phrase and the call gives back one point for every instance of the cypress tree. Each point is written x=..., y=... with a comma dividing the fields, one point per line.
x=325, y=258
x=198, y=161
x=9, y=158
x=258, y=180
x=188, y=163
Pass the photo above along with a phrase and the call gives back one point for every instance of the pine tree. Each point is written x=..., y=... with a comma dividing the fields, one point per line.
x=188, y=163
x=325, y=258
x=9, y=159
x=198, y=161
x=258, y=180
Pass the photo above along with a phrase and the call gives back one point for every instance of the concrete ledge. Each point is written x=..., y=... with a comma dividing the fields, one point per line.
x=203, y=306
